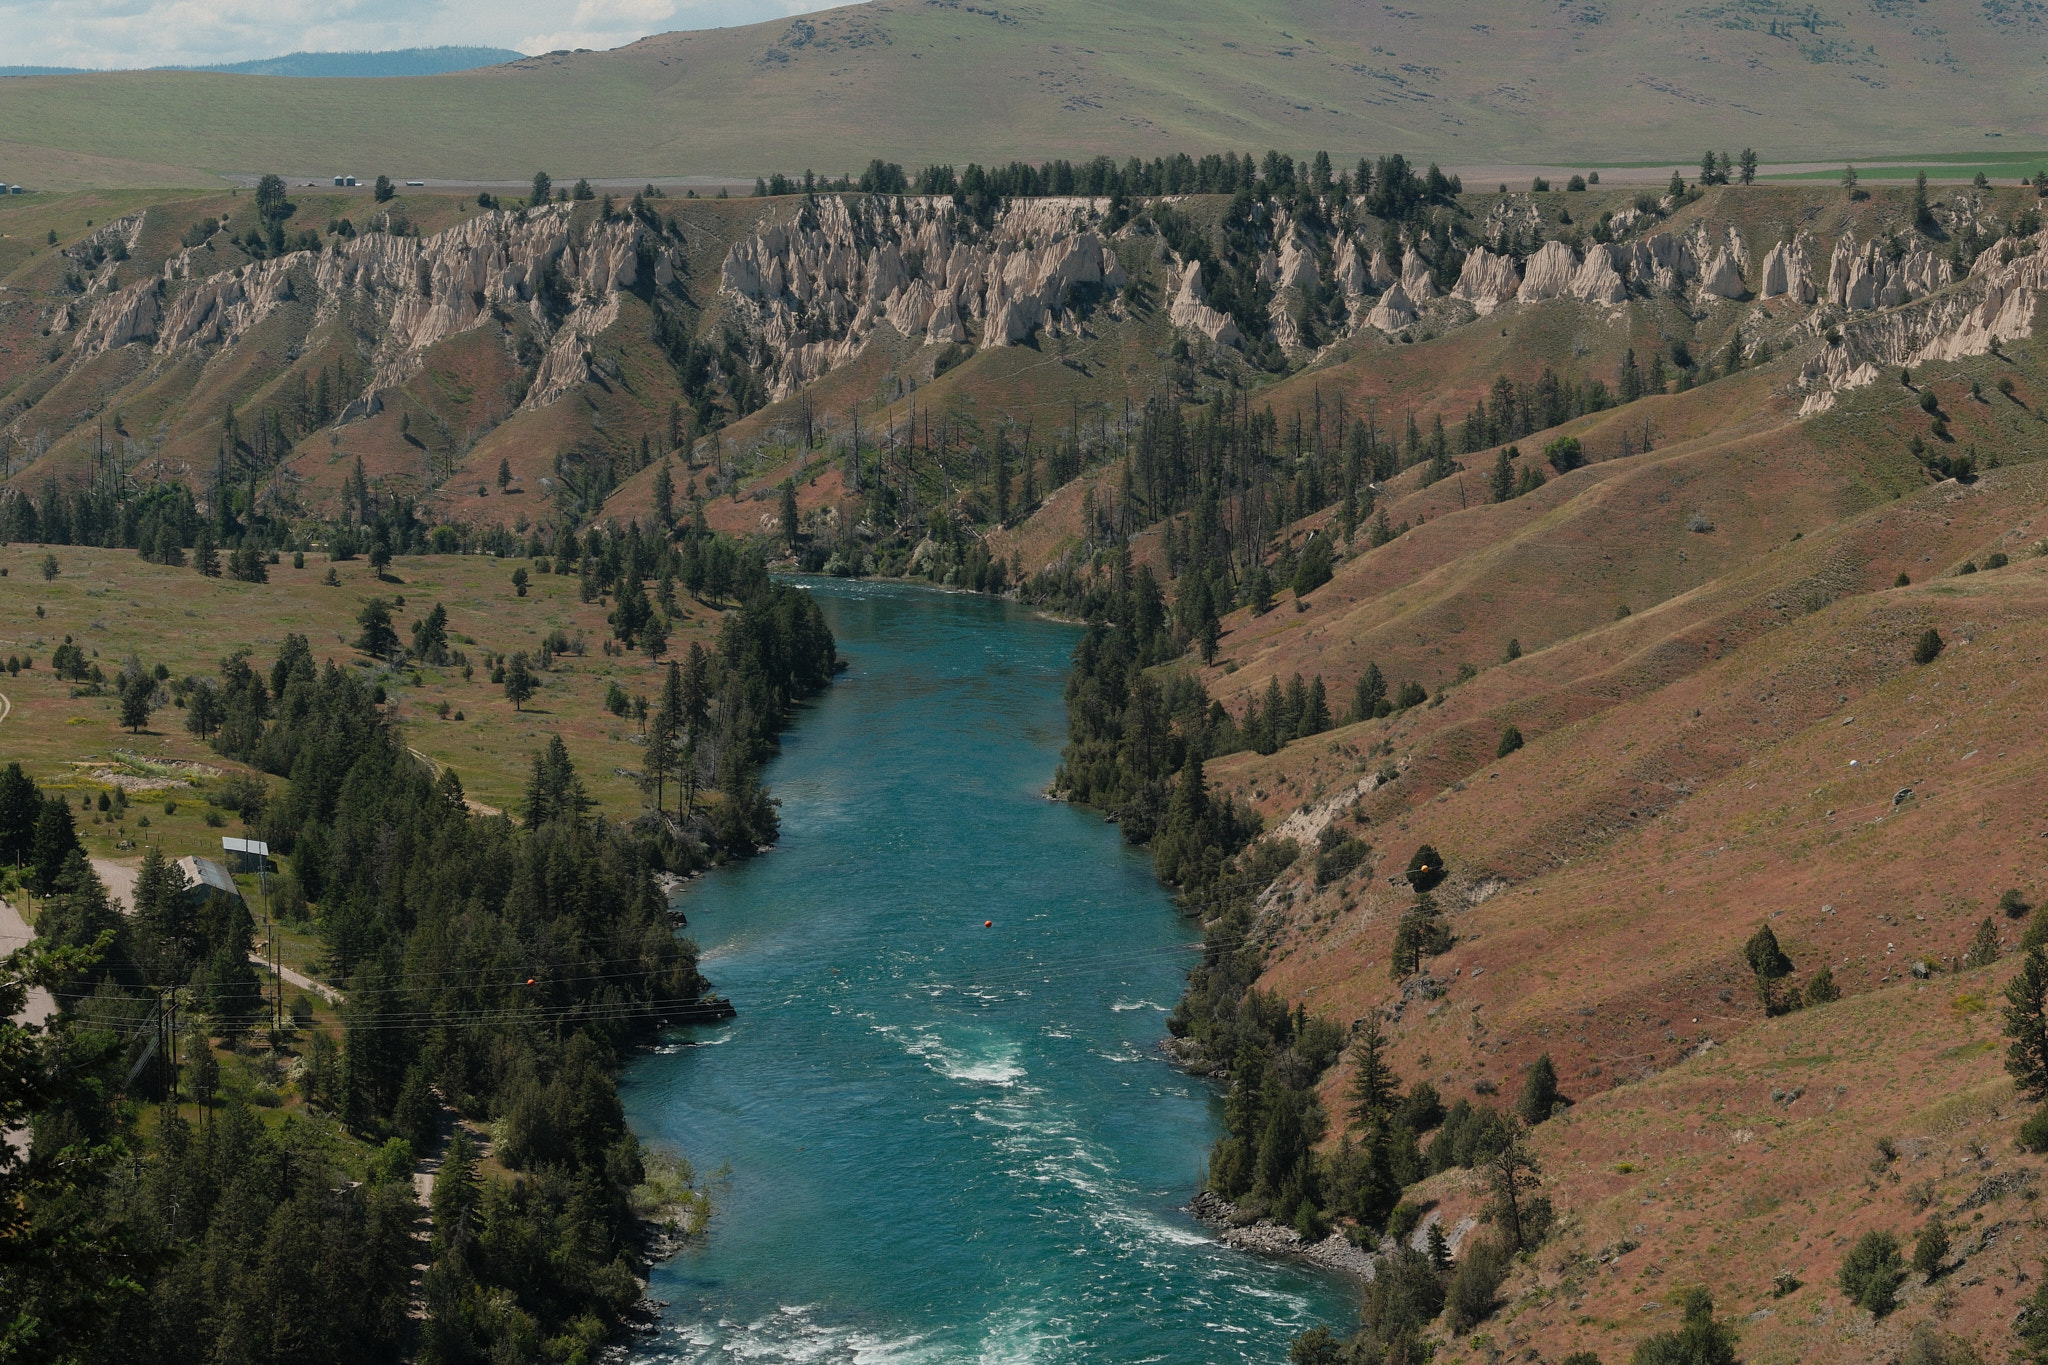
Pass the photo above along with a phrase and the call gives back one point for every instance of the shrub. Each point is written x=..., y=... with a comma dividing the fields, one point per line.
x=2034, y=1132
x=1930, y=1248
x=1996, y=560
x=1983, y=950
x=1401, y=1224
x=1822, y=990
x=1930, y=401
x=1871, y=1272
x=1510, y=740
x=1928, y=647
x=1474, y=1284
x=1564, y=454
x=1339, y=857
x=1699, y=1340
x=2013, y=903
x=1425, y=869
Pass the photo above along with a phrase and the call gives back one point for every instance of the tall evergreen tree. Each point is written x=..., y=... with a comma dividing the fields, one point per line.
x=2026, y=1024
x=1371, y=694
x=1374, y=1086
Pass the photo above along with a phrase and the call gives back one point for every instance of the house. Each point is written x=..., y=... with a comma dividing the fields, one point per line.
x=204, y=878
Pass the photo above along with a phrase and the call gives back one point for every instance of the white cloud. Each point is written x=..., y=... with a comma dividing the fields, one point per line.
x=135, y=33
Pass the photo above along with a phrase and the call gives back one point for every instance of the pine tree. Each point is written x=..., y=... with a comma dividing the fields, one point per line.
x=1502, y=483
x=205, y=557
x=1539, y=1092
x=790, y=525
x=1317, y=717
x=1371, y=694
x=2026, y=995
x=665, y=497
x=375, y=636
x=1768, y=963
x=56, y=838
x=1514, y=1172
x=520, y=683
x=137, y=701
x=1374, y=1086
x=1208, y=626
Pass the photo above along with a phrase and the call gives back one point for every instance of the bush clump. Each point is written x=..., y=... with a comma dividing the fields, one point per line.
x=1871, y=1272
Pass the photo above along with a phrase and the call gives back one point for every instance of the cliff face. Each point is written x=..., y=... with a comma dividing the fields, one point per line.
x=1996, y=303
x=421, y=291
x=816, y=290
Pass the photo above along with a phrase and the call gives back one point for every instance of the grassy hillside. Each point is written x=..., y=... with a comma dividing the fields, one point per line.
x=954, y=82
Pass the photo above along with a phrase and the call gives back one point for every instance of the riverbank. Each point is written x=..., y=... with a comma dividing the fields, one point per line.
x=1264, y=1237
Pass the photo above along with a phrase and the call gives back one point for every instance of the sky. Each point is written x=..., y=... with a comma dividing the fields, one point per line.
x=137, y=33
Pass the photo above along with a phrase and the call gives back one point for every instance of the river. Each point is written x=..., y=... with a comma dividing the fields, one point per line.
x=947, y=1141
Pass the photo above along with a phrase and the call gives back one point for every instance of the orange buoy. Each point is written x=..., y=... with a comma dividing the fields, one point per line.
x=988, y=924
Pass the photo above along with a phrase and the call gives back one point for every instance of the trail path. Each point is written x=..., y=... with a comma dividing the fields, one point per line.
x=469, y=803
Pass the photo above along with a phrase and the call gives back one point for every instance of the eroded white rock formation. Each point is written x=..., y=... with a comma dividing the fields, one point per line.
x=426, y=289
x=1487, y=281
x=816, y=289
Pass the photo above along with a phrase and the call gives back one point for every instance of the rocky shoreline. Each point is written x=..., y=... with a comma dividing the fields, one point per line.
x=1264, y=1237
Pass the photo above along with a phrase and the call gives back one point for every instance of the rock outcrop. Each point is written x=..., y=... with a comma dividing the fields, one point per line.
x=1349, y=271
x=1191, y=311
x=1868, y=277
x=131, y=314
x=1548, y=273
x=1786, y=274
x=1297, y=261
x=1658, y=262
x=1722, y=279
x=1597, y=281
x=1995, y=304
x=815, y=290
x=1383, y=272
x=1415, y=279
x=1394, y=311
x=1487, y=281
x=425, y=289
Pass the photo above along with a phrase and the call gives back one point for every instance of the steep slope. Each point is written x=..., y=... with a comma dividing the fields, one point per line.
x=954, y=82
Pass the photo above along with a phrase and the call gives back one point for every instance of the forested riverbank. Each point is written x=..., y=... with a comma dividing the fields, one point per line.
x=1138, y=737
x=256, y=1201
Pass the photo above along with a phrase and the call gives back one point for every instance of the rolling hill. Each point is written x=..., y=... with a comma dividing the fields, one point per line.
x=941, y=80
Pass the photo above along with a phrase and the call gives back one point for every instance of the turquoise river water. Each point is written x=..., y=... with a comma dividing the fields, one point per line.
x=946, y=1142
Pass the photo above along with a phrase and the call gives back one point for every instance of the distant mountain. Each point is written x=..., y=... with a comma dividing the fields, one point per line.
x=405, y=61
